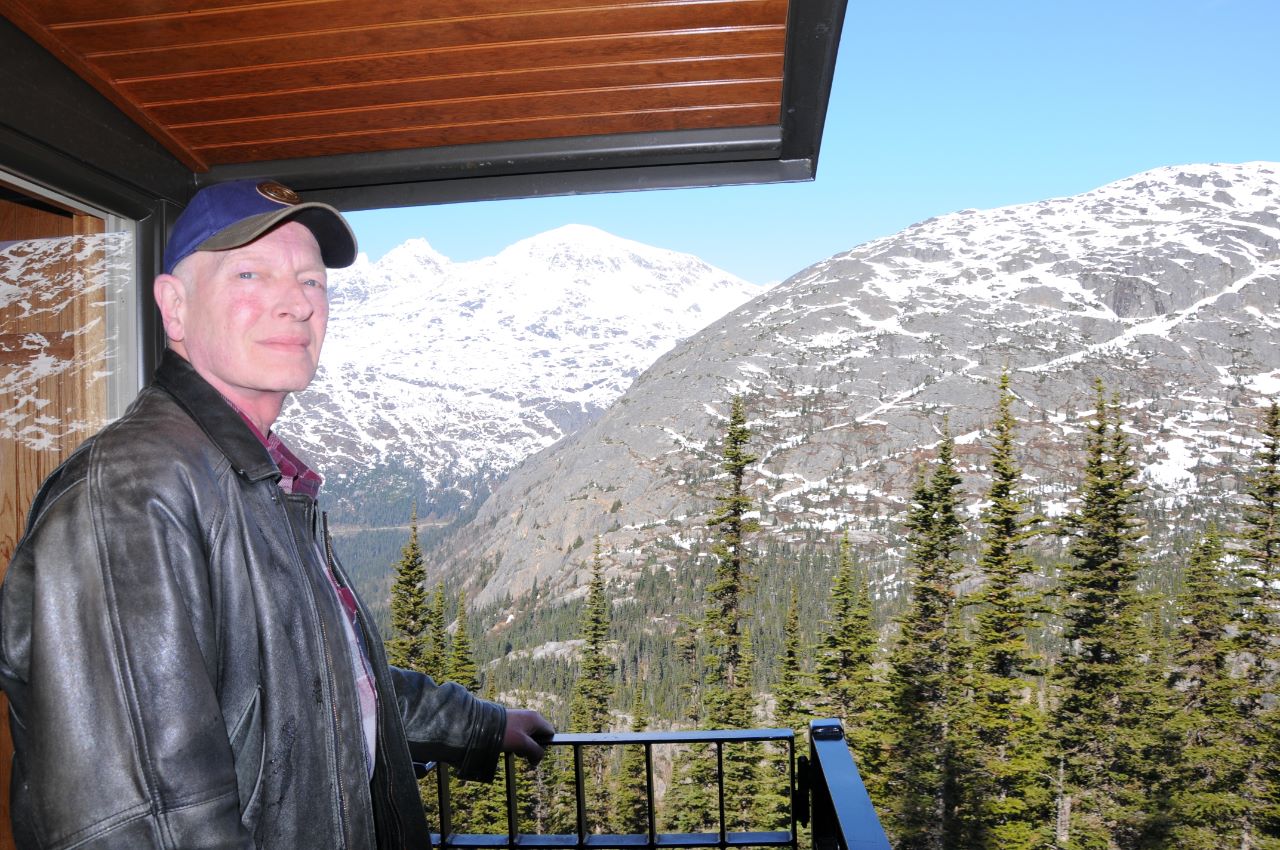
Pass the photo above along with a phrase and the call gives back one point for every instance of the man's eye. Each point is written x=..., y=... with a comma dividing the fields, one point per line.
x=311, y=281
x=246, y=275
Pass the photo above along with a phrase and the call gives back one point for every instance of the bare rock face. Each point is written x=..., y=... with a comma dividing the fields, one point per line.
x=1164, y=285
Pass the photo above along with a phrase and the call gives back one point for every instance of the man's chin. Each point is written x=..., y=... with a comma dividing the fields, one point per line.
x=291, y=380
x=296, y=386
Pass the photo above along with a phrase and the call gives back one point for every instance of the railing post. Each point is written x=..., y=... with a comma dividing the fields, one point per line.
x=652, y=816
x=579, y=795
x=791, y=785
x=720, y=789
x=513, y=813
x=446, y=806
x=843, y=817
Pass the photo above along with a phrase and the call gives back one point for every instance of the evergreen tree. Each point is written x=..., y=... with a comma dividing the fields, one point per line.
x=410, y=646
x=436, y=658
x=462, y=665
x=794, y=692
x=727, y=697
x=690, y=804
x=540, y=789
x=723, y=621
x=589, y=707
x=481, y=807
x=924, y=664
x=588, y=712
x=752, y=789
x=1211, y=765
x=1006, y=797
x=1258, y=641
x=1103, y=739
x=792, y=697
x=631, y=796
x=1261, y=537
x=407, y=648
x=847, y=686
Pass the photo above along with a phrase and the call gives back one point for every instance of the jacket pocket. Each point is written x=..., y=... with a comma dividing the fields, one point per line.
x=247, y=751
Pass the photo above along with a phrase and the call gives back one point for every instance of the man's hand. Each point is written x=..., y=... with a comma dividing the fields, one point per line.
x=527, y=734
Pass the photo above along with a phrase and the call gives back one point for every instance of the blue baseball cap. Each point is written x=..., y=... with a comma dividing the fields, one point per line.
x=228, y=215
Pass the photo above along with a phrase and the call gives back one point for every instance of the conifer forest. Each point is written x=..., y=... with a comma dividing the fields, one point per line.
x=1061, y=681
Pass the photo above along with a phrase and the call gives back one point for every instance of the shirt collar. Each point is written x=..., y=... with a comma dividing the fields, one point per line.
x=295, y=476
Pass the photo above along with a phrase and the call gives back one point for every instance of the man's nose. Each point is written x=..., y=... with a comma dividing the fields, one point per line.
x=294, y=302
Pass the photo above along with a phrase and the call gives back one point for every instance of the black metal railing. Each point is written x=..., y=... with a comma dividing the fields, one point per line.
x=842, y=814
x=825, y=790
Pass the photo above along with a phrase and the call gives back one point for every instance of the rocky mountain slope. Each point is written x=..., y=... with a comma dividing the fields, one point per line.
x=1164, y=285
x=438, y=376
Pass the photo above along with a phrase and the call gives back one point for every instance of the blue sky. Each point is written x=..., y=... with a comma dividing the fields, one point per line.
x=940, y=106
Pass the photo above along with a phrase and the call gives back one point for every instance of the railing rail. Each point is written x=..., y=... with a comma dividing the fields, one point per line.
x=842, y=813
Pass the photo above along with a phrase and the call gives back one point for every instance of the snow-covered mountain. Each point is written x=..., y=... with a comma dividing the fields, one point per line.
x=1164, y=285
x=452, y=373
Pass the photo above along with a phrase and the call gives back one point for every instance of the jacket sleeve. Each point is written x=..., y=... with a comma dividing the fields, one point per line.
x=119, y=739
x=450, y=724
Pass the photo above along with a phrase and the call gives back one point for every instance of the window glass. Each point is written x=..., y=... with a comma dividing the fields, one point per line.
x=68, y=327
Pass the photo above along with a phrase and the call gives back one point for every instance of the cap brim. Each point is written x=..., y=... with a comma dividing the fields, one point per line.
x=333, y=234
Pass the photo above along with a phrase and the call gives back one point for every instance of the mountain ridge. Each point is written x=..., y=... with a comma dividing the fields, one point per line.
x=1162, y=284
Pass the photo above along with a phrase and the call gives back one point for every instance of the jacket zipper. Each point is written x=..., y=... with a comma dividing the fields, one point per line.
x=390, y=797
x=343, y=811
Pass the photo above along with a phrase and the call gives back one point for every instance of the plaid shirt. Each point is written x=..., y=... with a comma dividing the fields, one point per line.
x=297, y=477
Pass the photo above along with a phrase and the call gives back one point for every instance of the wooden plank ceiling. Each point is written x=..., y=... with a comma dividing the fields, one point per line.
x=230, y=82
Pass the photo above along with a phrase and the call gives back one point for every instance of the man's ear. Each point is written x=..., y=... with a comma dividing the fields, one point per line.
x=171, y=298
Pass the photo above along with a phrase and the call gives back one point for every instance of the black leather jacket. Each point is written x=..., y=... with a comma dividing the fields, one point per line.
x=176, y=665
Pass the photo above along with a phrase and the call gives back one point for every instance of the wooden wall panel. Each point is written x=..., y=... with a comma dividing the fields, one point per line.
x=25, y=221
x=45, y=323
x=68, y=326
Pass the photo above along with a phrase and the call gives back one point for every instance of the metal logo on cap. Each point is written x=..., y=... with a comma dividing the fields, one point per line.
x=279, y=193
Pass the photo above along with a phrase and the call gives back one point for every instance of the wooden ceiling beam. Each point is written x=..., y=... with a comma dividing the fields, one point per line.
x=177, y=87
x=125, y=59
x=70, y=14
x=485, y=110
x=458, y=92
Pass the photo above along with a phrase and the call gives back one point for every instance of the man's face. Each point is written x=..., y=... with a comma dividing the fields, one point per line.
x=251, y=320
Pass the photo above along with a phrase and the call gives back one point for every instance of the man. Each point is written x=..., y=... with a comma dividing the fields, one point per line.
x=185, y=662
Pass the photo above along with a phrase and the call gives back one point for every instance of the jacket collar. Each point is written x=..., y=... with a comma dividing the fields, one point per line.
x=218, y=419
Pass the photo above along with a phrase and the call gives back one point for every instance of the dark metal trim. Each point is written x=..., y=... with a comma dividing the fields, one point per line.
x=499, y=159
x=813, y=40
x=542, y=167
x=555, y=184
x=692, y=736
